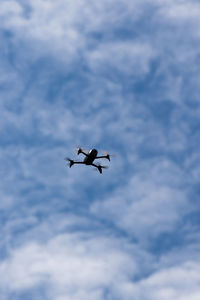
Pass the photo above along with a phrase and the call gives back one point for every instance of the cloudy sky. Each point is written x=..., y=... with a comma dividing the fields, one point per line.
x=117, y=75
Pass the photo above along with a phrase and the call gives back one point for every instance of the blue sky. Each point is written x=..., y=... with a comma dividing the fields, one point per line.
x=121, y=76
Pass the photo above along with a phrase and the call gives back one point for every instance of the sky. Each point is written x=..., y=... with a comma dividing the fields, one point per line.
x=115, y=75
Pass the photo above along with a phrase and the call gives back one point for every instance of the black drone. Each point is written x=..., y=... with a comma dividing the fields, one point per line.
x=90, y=156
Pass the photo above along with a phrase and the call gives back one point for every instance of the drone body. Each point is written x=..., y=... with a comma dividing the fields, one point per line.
x=89, y=159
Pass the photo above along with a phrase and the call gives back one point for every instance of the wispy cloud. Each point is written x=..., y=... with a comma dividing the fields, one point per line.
x=116, y=75
x=81, y=265
x=153, y=202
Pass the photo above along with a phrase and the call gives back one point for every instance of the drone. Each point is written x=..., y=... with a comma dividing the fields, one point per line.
x=90, y=156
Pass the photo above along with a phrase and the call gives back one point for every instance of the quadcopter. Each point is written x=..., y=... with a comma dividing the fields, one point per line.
x=90, y=156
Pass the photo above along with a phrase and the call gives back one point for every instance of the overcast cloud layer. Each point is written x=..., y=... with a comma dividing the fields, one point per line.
x=121, y=76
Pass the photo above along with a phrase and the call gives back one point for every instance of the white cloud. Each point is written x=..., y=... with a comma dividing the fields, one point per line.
x=128, y=57
x=71, y=265
x=141, y=195
x=10, y=9
x=152, y=202
x=85, y=266
x=181, y=10
x=66, y=29
x=178, y=282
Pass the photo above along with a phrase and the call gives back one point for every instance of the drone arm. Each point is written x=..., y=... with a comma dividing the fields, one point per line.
x=94, y=165
x=103, y=156
x=81, y=151
x=84, y=153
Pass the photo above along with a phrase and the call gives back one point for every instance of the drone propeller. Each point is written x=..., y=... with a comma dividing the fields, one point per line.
x=71, y=162
x=79, y=150
x=108, y=156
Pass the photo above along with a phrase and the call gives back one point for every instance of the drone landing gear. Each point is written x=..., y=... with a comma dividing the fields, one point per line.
x=99, y=167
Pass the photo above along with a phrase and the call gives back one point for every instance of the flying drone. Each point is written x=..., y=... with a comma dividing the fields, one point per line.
x=90, y=156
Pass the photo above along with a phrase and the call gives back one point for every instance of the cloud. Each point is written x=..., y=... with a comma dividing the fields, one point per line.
x=152, y=203
x=178, y=282
x=71, y=265
x=129, y=58
x=115, y=75
x=181, y=11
